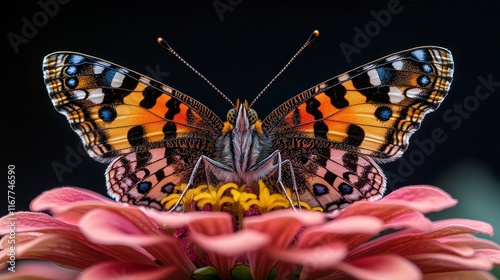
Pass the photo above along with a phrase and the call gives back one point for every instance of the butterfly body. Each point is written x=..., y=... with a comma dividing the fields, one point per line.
x=325, y=142
x=243, y=148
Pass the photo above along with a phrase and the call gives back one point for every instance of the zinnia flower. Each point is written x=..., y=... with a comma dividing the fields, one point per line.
x=246, y=236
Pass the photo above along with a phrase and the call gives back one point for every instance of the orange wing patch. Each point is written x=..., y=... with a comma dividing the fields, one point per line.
x=117, y=111
x=373, y=109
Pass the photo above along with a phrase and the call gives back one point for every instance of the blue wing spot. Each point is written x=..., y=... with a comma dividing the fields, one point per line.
x=71, y=83
x=423, y=81
x=320, y=189
x=144, y=187
x=345, y=189
x=107, y=114
x=72, y=70
x=76, y=59
x=420, y=55
x=107, y=76
x=168, y=188
x=385, y=76
x=427, y=68
x=383, y=113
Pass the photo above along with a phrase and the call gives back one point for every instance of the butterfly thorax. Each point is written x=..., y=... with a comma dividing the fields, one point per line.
x=243, y=146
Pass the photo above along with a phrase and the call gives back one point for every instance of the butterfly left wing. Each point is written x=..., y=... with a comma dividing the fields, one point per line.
x=150, y=133
x=370, y=112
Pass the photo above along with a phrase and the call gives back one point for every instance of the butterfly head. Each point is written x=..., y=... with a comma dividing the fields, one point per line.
x=242, y=117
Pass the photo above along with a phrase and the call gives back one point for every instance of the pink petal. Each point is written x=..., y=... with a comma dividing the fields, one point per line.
x=401, y=202
x=133, y=228
x=31, y=226
x=66, y=195
x=21, y=237
x=382, y=267
x=204, y=226
x=384, y=212
x=29, y=221
x=107, y=227
x=174, y=220
x=118, y=270
x=470, y=241
x=39, y=270
x=492, y=255
x=352, y=231
x=460, y=226
x=230, y=245
x=405, y=240
x=70, y=204
x=281, y=226
x=414, y=220
x=317, y=258
x=223, y=249
x=211, y=223
x=59, y=249
x=421, y=198
x=430, y=263
x=460, y=275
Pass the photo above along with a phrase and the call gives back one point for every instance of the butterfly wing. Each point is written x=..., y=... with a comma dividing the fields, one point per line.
x=370, y=112
x=138, y=124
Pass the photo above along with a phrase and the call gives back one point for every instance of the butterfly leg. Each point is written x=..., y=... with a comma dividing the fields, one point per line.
x=268, y=166
x=210, y=166
x=280, y=181
x=292, y=174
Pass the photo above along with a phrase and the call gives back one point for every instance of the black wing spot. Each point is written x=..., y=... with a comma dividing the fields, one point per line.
x=136, y=136
x=320, y=189
x=355, y=135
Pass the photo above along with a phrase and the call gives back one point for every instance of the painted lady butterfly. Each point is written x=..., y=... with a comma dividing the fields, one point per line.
x=325, y=142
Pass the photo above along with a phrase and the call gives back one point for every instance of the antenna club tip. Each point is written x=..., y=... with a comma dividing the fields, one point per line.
x=163, y=43
x=316, y=33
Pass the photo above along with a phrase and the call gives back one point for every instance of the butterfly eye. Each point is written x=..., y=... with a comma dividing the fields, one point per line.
x=252, y=116
x=231, y=116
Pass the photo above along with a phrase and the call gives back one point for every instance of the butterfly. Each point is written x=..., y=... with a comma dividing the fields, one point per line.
x=325, y=143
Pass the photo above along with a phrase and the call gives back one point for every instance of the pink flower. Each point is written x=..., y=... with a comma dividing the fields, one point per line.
x=93, y=237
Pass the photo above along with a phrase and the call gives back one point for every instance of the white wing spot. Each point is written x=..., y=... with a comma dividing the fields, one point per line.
x=374, y=77
x=413, y=92
x=117, y=79
x=98, y=69
x=391, y=58
x=167, y=89
x=395, y=95
x=369, y=66
x=96, y=96
x=398, y=65
x=344, y=77
x=144, y=80
x=80, y=94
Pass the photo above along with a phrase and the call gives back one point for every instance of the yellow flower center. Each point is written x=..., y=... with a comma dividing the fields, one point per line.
x=232, y=198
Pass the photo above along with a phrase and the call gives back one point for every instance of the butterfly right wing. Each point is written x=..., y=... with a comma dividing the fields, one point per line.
x=147, y=130
x=367, y=114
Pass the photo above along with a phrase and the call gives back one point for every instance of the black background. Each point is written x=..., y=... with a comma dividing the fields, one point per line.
x=240, y=54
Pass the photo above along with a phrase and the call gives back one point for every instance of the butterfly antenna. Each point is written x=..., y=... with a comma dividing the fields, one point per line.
x=164, y=44
x=313, y=36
